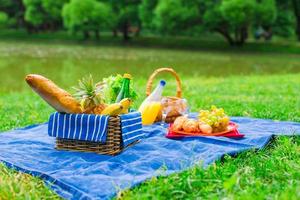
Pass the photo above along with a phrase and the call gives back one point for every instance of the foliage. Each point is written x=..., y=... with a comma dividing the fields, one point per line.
x=15, y=12
x=53, y=8
x=146, y=13
x=126, y=16
x=88, y=15
x=284, y=24
x=44, y=13
x=32, y=13
x=296, y=9
x=237, y=13
x=175, y=16
x=3, y=19
x=266, y=13
x=233, y=18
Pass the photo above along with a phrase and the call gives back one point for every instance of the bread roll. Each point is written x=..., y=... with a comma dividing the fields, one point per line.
x=56, y=97
x=191, y=126
x=205, y=128
x=178, y=123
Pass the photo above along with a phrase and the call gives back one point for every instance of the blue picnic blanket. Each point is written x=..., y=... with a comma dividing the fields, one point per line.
x=76, y=175
x=131, y=125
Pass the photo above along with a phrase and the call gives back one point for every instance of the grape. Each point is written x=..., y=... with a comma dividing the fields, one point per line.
x=225, y=119
x=215, y=117
x=217, y=124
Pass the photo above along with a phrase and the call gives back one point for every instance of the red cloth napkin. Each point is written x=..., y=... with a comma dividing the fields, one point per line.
x=232, y=134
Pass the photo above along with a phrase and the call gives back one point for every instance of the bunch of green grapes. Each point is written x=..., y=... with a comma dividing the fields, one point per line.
x=215, y=117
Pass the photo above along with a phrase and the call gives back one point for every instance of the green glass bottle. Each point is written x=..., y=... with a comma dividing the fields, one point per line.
x=124, y=92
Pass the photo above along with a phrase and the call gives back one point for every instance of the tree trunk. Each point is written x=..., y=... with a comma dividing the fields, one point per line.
x=236, y=35
x=138, y=31
x=298, y=29
x=115, y=32
x=86, y=35
x=97, y=34
x=226, y=35
x=28, y=29
x=125, y=31
x=243, y=36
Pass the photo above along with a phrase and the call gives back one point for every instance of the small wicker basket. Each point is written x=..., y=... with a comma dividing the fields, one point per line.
x=173, y=114
x=112, y=146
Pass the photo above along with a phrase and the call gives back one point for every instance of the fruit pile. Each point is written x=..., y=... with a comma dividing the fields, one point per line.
x=210, y=121
x=93, y=98
x=216, y=118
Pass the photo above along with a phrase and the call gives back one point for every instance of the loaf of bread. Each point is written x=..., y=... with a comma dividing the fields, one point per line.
x=56, y=97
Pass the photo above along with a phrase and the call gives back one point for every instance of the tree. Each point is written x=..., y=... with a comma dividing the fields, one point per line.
x=285, y=22
x=126, y=12
x=3, y=19
x=86, y=16
x=15, y=12
x=175, y=16
x=146, y=13
x=233, y=18
x=296, y=7
x=53, y=11
x=44, y=14
x=32, y=13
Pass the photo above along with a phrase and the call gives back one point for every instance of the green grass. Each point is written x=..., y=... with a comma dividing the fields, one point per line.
x=15, y=185
x=272, y=173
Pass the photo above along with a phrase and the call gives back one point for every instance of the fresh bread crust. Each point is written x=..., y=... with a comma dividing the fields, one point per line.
x=56, y=97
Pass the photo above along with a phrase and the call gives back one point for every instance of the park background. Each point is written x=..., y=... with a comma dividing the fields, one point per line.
x=242, y=55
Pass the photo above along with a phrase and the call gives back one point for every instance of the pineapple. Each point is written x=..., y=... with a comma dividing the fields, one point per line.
x=89, y=96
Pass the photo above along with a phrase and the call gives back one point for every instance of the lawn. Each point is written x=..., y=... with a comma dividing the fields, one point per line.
x=244, y=83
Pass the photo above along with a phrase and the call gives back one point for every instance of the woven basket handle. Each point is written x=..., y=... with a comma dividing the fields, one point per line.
x=170, y=70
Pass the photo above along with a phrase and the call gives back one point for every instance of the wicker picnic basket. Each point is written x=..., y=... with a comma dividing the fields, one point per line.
x=170, y=99
x=115, y=137
x=112, y=146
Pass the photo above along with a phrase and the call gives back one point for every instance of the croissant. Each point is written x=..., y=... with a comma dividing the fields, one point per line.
x=56, y=97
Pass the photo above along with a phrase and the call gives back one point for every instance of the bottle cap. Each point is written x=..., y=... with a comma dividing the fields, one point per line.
x=127, y=76
x=162, y=82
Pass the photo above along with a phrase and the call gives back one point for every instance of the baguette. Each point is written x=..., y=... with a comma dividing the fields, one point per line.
x=56, y=97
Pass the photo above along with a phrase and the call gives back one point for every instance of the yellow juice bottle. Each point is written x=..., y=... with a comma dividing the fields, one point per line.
x=150, y=112
x=151, y=106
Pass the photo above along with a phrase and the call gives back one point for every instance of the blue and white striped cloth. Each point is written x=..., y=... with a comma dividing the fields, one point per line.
x=86, y=127
x=131, y=125
x=94, y=128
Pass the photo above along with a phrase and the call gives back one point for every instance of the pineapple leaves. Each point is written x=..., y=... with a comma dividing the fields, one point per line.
x=87, y=93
